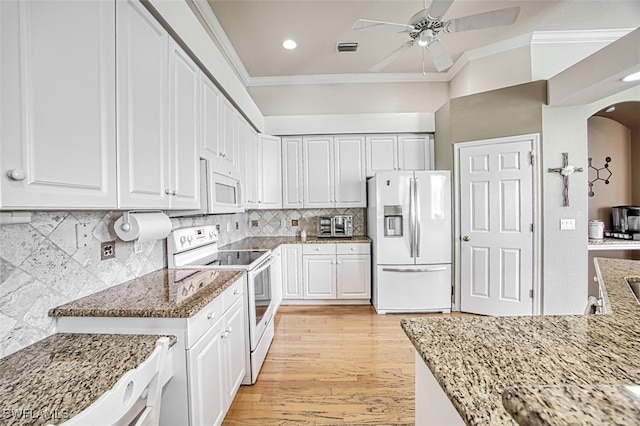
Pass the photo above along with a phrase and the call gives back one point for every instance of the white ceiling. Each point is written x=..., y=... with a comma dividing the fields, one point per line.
x=256, y=29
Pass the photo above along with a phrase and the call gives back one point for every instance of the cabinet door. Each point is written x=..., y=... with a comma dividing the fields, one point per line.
x=318, y=171
x=235, y=348
x=350, y=179
x=184, y=89
x=292, y=180
x=270, y=177
x=226, y=147
x=276, y=278
x=414, y=152
x=211, y=128
x=292, y=271
x=242, y=162
x=319, y=276
x=251, y=186
x=142, y=99
x=57, y=108
x=382, y=153
x=207, y=378
x=353, y=277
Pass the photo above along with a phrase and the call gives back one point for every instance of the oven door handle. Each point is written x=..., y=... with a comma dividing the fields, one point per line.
x=264, y=265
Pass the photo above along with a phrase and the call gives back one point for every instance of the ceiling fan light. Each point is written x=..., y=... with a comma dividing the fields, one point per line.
x=425, y=38
x=632, y=77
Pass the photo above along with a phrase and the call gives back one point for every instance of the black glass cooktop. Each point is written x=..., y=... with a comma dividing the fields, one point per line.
x=235, y=258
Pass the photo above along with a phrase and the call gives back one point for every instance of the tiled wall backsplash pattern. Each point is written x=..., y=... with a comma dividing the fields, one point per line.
x=270, y=222
x=41, y=265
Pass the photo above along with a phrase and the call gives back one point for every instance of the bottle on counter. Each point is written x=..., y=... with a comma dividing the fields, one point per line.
x=596, y=229
x=303, y=235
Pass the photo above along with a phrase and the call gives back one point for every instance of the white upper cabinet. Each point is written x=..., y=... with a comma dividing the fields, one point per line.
x=211, y=99
x=292, y=179
x=350, y=179
x=269, y=173
x=398, y=152
x=142, y=105
x=184, y=101
x=251, y=184
x=318, y=171
x=57, y=108
x=334, y=171
x=227, y=147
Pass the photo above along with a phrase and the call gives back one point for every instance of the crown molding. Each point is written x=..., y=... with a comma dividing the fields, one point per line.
x=287, y=80
x=579, y=36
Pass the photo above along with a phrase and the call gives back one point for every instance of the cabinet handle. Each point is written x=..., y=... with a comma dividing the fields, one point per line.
x=211, y=315
x=16, y=174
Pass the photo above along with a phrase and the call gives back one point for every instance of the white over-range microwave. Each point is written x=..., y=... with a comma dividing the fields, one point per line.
x=219, y=193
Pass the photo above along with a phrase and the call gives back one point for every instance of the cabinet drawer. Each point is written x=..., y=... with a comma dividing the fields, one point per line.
x=328, y=248
x=353, y=248
x=198, y=324
x=233, y=293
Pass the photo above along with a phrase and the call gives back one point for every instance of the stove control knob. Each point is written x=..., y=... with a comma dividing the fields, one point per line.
x=183, y=240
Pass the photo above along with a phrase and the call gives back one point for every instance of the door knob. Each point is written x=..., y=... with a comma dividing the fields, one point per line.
x=466, y=238
x=16, y=174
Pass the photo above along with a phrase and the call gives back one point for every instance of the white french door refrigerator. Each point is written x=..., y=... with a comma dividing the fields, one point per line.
x=409, y=222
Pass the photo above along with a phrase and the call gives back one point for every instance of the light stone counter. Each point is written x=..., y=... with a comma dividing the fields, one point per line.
x=476, y=359
x=58, y=377
x=270, y=243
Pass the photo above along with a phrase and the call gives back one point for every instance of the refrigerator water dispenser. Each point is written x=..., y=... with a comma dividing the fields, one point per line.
x=393, y=221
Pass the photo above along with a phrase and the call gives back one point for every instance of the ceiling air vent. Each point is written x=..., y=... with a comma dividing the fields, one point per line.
x=348, y=47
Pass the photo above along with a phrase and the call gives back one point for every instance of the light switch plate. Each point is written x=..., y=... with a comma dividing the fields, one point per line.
x=567, y=224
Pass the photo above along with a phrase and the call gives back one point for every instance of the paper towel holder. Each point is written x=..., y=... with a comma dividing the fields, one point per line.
x=126, y=226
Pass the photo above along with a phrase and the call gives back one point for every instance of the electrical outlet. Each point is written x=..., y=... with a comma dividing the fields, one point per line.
x=107, y=250
x=228, y=226
x=254, y=223
x=283, y=222
x=294, y=222
x=83, y=235
x=218, y=229
x=567, y=224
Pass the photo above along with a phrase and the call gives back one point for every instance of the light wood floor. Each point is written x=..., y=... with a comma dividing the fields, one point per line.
x=332, y=365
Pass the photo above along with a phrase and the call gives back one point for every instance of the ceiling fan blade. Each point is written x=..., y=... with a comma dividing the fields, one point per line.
x=439, y=55
x=438, y=8
x=494, y=18
x=392, y=56
x=366, y=25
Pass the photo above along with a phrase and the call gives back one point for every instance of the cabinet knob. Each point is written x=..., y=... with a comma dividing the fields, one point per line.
x=17, y=174
x=229, y=330
x=236, y=292
x=466, y=238
x=211, y=315
x=353, y=249
x=167, y=191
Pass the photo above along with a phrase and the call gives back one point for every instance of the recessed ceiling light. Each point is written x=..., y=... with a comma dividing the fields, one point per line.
x=610, y=109
x=632, y=77
x=289, y=44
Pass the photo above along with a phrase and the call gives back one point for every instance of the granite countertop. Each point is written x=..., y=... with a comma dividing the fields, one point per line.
x=476, y=359
x=270, y=243
x=166, y=293
x=58, y=377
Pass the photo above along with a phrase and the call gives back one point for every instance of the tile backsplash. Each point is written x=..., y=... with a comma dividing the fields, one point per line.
x=41, y=265
x=279, y=222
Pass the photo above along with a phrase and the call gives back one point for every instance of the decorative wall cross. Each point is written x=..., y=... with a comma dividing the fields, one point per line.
x=565, y=171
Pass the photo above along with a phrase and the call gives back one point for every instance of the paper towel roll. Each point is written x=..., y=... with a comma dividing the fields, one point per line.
x=144, y=227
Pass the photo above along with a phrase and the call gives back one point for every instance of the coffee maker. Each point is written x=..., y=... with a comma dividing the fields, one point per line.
x=625, y=221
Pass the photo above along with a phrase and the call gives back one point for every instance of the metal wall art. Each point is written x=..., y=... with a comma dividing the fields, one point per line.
x=602, y=173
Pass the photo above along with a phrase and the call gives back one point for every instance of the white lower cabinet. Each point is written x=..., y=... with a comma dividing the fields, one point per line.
x=329, y=271
x=291, y=271
x=276, y=278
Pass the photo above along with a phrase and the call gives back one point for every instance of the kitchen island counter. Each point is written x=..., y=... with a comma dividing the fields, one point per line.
x=476, y=359
x=58, y=377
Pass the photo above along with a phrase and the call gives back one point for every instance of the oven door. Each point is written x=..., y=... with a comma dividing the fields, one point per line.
x=260, y=300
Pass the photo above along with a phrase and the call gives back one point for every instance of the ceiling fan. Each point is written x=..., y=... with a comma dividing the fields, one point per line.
x=424, y=27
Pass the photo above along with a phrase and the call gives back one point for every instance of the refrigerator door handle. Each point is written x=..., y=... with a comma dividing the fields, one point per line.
x=436, y=269
x=412, y=218
x=416, y=188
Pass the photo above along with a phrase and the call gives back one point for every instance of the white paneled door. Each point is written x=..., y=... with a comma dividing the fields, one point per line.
x=496, y=226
